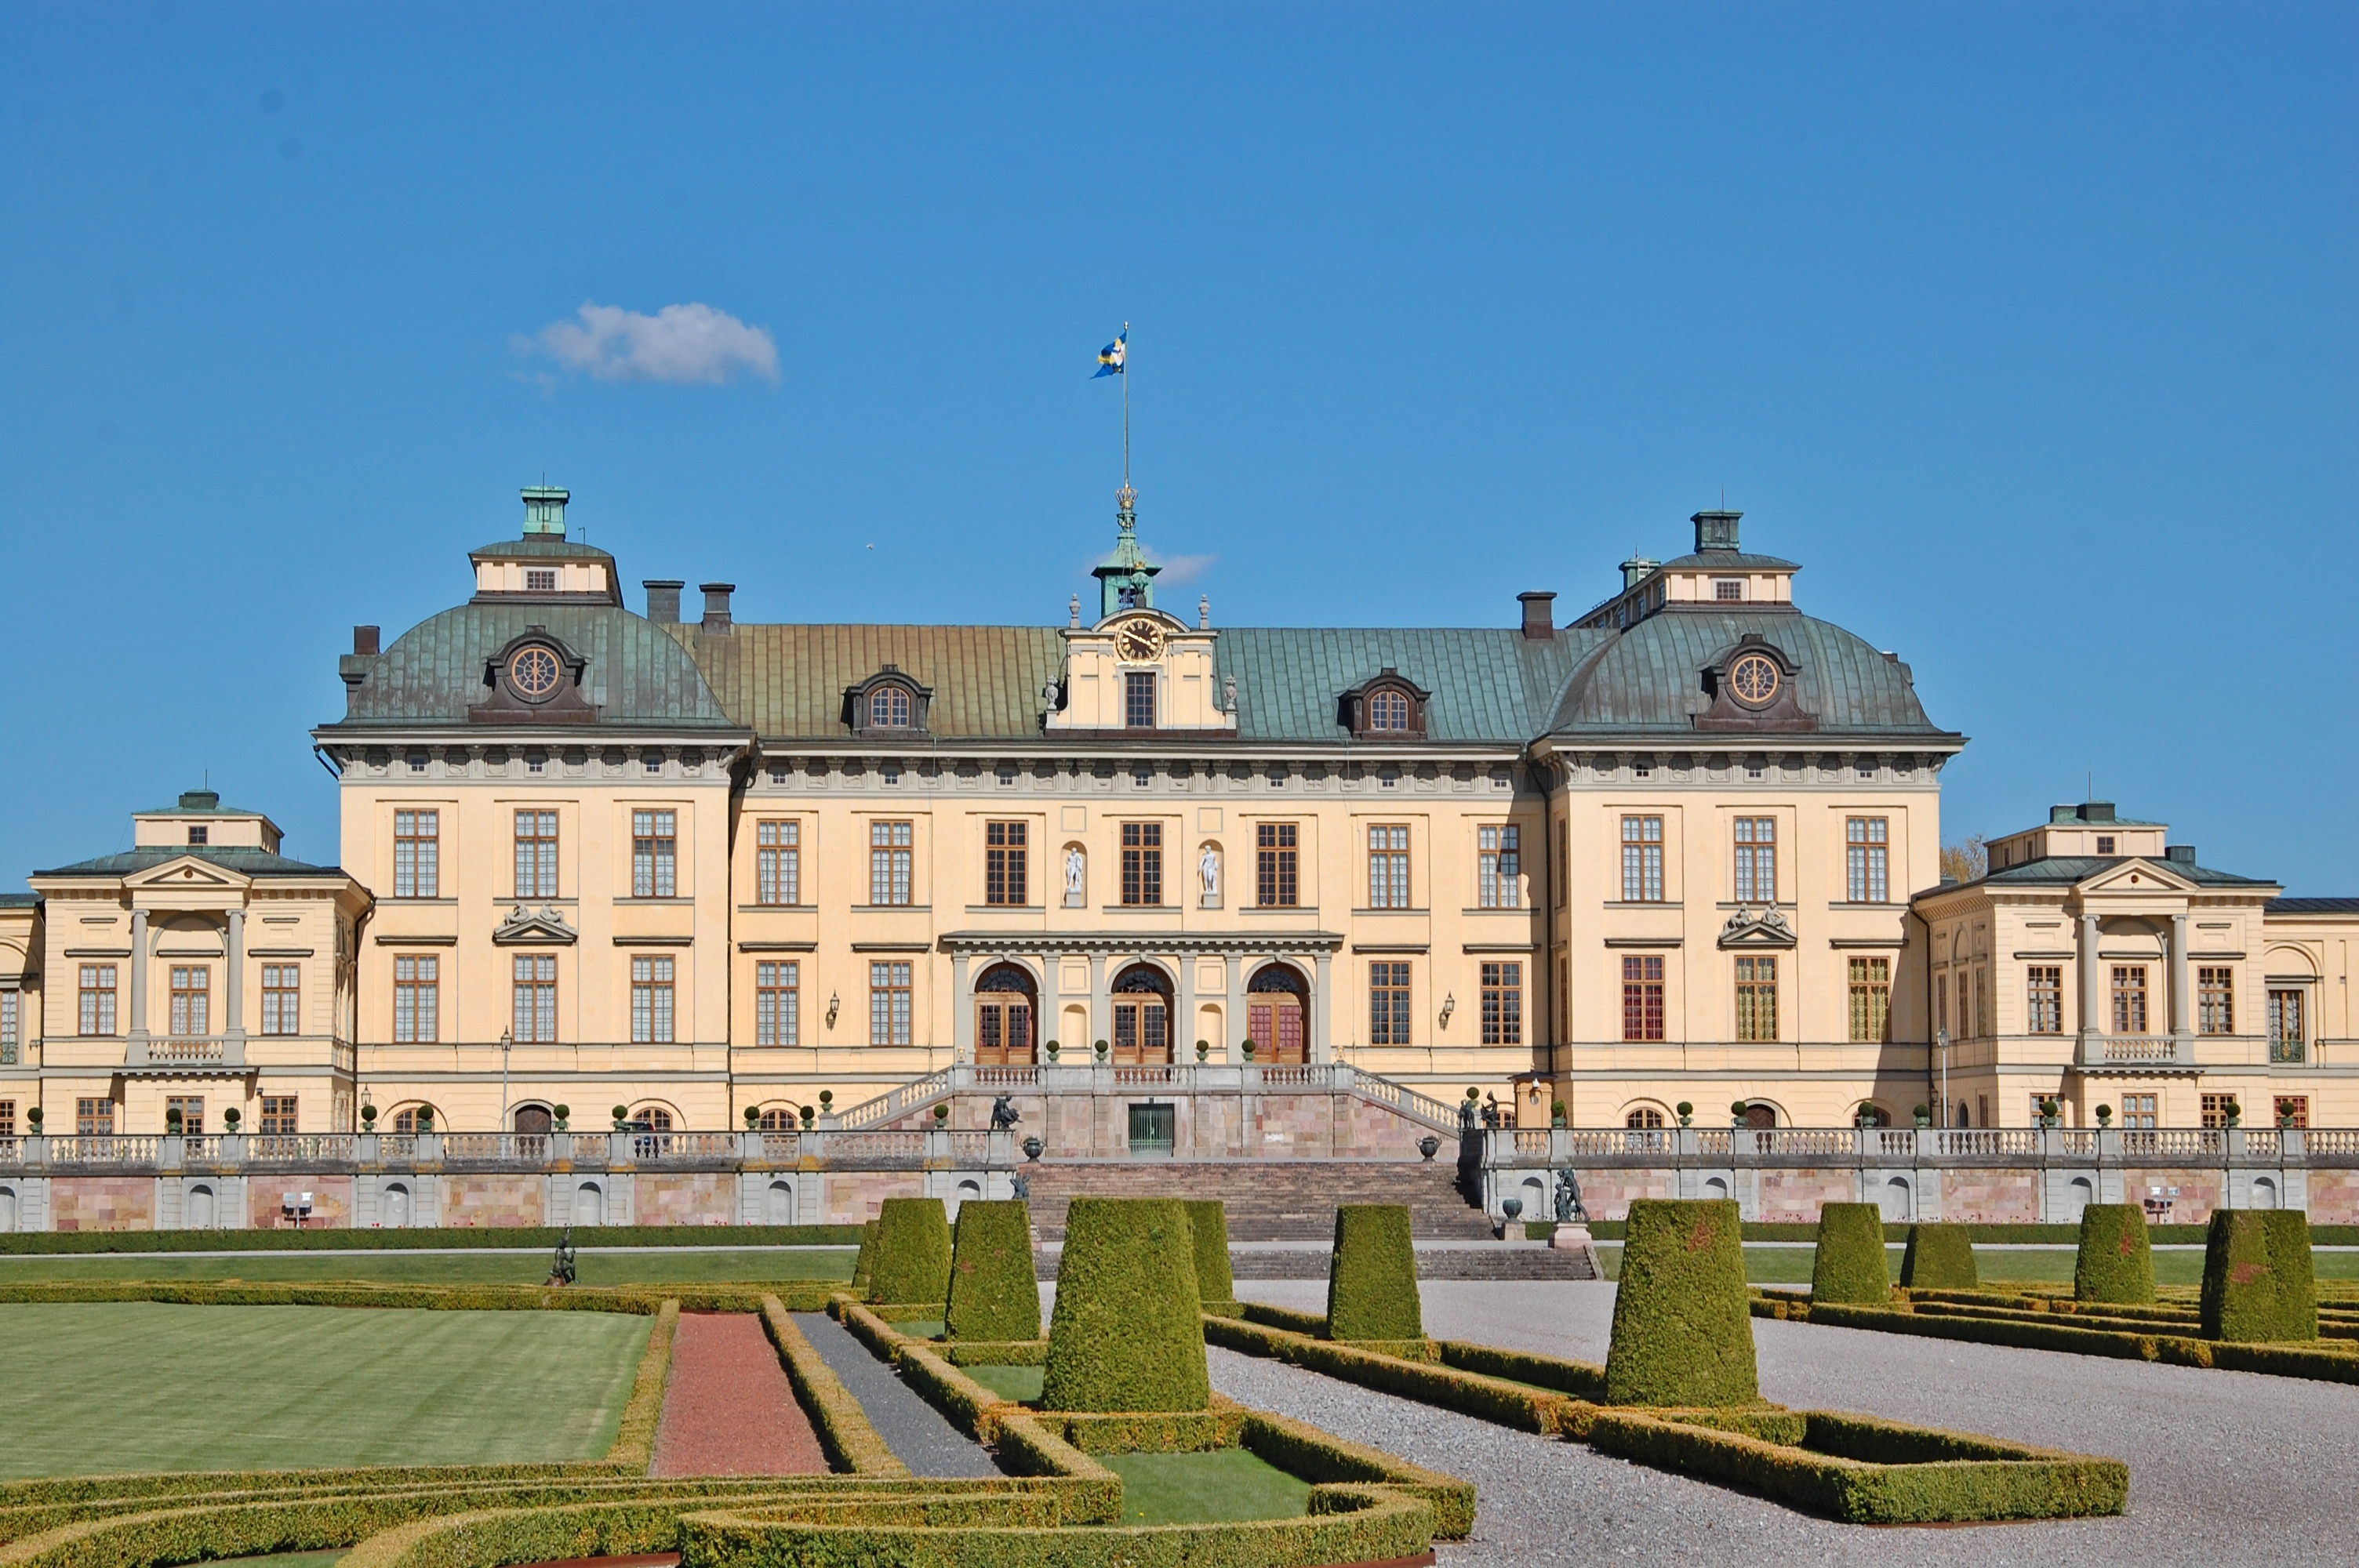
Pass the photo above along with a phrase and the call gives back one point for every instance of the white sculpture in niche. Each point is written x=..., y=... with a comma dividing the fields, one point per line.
x=1076, y=870
x=1208, y=869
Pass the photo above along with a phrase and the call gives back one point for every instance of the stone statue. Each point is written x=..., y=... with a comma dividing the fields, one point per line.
x=1209, y=869
x=1466, y=1115
x=1490, y=1111
x=561, y=1267
x=1004, y=1114
x=1567, y=1199
x=1075, y=866
x=1020, y=1184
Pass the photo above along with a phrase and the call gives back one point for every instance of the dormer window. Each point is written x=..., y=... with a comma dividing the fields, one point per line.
x=199, y=835
x=1388, y=711
x=541, y=579
x=887, y=703
x=1390, y=707
x=888, y=707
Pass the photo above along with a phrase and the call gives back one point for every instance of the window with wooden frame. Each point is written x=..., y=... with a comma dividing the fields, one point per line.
x=778, y=861
x=1756, y=859
x=1646, y=1117
x=1007, y=862
x=2140, y=1112
x=281, y=999
x=1498, y=867
x=651, y=999
x=1389, y=883
x=888, y=1003
x=1756, y=998
x=2292, y=1110
x=1871, y=999
x=1388, y=711
x=1142, y=864
x=1642, y=859
x=2129, y=998
x=2215, y=1000
x=1139, y=699
x=1982, y=1002
x=416, y=854
x=1867, y=859
x=1642, y=997
x=889, y=861
x=1503, y=1002
x=416, y=998
x=535, y=854
x=191, y=1012
x=1388, y=1003
x=889, y=708
x=655, y=854
x=11, y=1027
x=2288, y=1025
x=777, y=1002
x=1941, y=1001
x=7, y=1118
x=1276, y=865
x=2043, y=999
x=192, y=1114
x=533, y=1002
x=2214, y=1110
x=94, y=1117
x=278, y=1116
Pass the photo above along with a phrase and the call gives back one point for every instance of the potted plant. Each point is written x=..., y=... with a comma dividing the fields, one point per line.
x=560, y=1116
x=826, y=1102
x=2050, y=1111
x=425, y=1118
x=2105, y=1116
x=2234, y=1113
x=172, y=1122
x=368, y=1118
x=1203, y=1049
x=1052, y=1053
x=231, y=1118
x=807, y=1113
x=1245, y=1046
x=1686, y=1113
x=752, y=1118
x=33, y=1120
x=1556, y=1113
x=941, y=1115
x=1101, y=1049
x=622, y=1115
x=1737, y=1109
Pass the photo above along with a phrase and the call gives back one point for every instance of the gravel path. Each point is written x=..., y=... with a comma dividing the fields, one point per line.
x=919, y=1434
x=2224, y=1467
x=728, y=1409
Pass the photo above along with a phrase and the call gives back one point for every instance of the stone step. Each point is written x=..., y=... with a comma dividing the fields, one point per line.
x=1525, y=1260
x=1266, y=1200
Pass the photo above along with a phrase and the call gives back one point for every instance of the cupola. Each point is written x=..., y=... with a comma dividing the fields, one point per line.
x=544, y=567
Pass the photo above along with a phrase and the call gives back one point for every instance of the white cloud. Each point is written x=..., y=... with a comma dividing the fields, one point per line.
x=1182, y=568
x=682, y=344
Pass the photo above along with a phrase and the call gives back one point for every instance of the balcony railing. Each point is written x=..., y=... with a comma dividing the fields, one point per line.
x=2137, y=1051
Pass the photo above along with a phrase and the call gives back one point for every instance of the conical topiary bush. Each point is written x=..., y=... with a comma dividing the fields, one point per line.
x=2116, y=1257
x=913, y=1252
x=2258, y=1278
x=1372, y=1275
x=1208, y=1219
x=1849, y=1265
x=1683, y=1316
x=994, y=1290
x=1940, y=1258
x=864, y=1261
x=1128, y=1332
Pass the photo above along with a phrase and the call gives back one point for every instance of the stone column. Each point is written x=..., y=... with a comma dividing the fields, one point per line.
x=2182, y=979
x=1183, y=1028
x=137, y=1023
x=961, y=1008
x=1233, y=1026
x=233, y=986
x=1100, y=1011
x=2091, y=999
x=1322, y=977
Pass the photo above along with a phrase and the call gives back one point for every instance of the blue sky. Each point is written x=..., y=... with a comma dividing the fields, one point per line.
x=2029, y=329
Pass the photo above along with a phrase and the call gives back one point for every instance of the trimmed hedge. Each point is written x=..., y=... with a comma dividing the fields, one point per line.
x=1271, y=1315
x=1126, y=1334
x=539, y=1237
x=1682, y=1327
x=642, y=1300
x=1483, y=1397
x=2116, y=1257
x=913, y=1252
x=864, y=1262
x=634, y=1437
x=1372, y=1275
x=1979, y=1233
x=995, y=1291
x=2258, y=1280
x=851, y=1443
x=1940, y=1257
x=1207, y=1220
x=1848, y=1264
x=2029, y=1332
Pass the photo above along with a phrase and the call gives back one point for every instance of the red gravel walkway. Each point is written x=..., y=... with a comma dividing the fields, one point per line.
x=728, y=1410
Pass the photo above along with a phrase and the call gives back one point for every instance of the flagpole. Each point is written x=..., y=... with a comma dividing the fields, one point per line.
x=1125, y=406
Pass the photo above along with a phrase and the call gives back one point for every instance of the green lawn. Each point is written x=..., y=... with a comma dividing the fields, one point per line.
x=1205, y=1489
x=1009, y=1383
x=103, y=1388
x=653, y=1268
x=2048, y=1265
x=285, y=1560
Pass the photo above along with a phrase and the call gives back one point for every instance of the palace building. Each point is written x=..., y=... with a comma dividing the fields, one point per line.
x=1679, y=852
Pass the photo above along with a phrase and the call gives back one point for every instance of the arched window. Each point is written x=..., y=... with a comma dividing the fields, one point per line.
x=1004, y=1017
x=658, y=1119
x=1388, y=711
x=888, y=707
x=1142, y=1017
x=777, y=1118
x=1644, y=1116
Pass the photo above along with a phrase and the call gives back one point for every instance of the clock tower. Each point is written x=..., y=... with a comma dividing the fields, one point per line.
x=1138, y=669
x=1126, y=578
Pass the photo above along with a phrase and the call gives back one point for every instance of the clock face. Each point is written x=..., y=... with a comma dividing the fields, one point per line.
x=1753, y=679
x=534, y=672
x=1138, y=642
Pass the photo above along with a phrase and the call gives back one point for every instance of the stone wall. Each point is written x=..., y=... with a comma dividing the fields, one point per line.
x=694, y=1197
x=1793, y=1196
x=498, y=1201
x=103, y=1203
x=331, y=1202
x=1990, y=1197
x=2334, y=1198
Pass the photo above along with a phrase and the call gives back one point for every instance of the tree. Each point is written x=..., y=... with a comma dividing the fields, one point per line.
x=1968, y=861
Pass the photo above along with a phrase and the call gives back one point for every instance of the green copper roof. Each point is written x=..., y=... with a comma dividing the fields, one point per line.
x=198, y=803
x=1648, y=680
x=551, y=547
x=788, y=681
x=1489, y=684
x=2066, y=870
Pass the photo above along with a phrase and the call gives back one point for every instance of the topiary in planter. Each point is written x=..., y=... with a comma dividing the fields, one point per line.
x=1940, y=1258
x=1682, y=1317
x=1208, y=1219
x=1849, y=1266
x=995, y=1290
x=913, y=1252
x=1128, y=1334
x=864, y=1262
x=2117, y=1260
x=1372, y=1277
x=2258, y=1278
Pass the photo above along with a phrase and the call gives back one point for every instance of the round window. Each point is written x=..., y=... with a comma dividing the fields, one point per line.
x=534, y=672
x=1753, y=679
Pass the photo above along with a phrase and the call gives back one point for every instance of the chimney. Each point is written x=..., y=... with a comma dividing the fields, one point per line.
x=663, y=600
x=1539, y=617
x=2179, y=854
x=1634, y=570
x=544, y=510
x=716, y=605
x=365, y=640
x=1715, y=530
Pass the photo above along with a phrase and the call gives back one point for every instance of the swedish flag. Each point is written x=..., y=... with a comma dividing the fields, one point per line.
x=1111, y=357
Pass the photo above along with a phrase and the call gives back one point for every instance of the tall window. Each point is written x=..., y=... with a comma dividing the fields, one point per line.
x=1756, y=859
x=651, y=1000
x=1941, y=1001
x=416, y=854
x=1499, y=867
x=777, y=999
x=1866, y=860
x=2212, y=1110
x=416, y=998
x=2139, y=1111
x=2129, y=998
x=2292, y=1110
x=280, y=996
x=1141, y=863
x=1388, y=710
x=193, y=1113
x=1006, y=863
x=1139, y=699
x=278, y=1116
x=777, y=862
x=888, y=707
x=94, y=1117
x=1276, y=883
x=1871, y=998
x=1642, y=859
x=535, y=1019
x=535, y=854
x=11, y=1026
x=7, y=1118
x=1642, y=998
x=1388, y=868
x=889, y=1005
x=1756, y=998
x=2215, y=1000
x=1389, y=1003
x=2289, y=1030
x=192, y=1011
x=1503, y=1003
x=655, y=854
x=1982, y=1002
x=888, y=862
x=2043, y=999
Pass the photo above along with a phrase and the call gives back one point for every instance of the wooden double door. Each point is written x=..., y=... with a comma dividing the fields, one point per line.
x=1005, y=1020
x=1274, y=1023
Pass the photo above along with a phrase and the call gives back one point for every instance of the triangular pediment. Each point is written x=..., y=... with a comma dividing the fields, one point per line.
x=2137, y=876
x=543, y=928
x=1758, y=929
x=186, y=872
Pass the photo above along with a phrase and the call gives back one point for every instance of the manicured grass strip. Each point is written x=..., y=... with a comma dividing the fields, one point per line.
x=853, y=1444
x=1200, y=1488
x=106, y=1388
x=1021, y=1384
x=751, y=1265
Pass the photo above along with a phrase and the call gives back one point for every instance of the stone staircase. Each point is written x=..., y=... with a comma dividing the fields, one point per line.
x=1268, y=1200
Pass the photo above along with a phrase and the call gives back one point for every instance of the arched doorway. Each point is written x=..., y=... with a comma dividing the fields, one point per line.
x=1760, y=1117
x=533, y=1119
x=1006, y=1007
x=1142, y=1016
x=1277, y=1001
